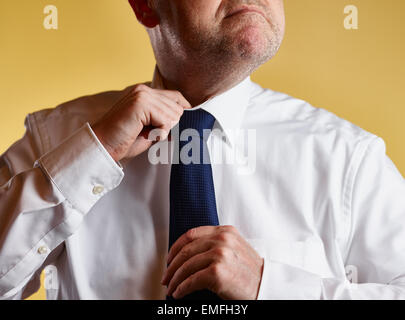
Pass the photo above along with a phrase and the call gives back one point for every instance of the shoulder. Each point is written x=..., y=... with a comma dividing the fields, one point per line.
x=48, y=127
x=272, y=109
x=304, y=136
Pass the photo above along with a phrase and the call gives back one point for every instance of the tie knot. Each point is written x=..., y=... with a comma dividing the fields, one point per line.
x=197, y=120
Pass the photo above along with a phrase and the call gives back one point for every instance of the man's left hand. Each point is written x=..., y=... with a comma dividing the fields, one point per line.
x=216, y=258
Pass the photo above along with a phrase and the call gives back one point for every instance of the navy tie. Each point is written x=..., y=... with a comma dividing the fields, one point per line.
x=192, y=195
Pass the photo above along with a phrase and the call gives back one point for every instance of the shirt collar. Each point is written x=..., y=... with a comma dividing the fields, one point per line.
x=228, y=108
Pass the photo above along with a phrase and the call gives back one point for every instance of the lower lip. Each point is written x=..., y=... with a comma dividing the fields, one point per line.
x=243, y=12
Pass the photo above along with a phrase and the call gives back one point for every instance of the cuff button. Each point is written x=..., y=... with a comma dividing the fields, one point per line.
x=42, y=250
x=98, y=189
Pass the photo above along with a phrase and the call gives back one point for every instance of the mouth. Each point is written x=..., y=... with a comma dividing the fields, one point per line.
x=244, y=10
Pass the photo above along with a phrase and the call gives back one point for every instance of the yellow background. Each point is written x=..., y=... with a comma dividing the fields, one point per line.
x=99, y=46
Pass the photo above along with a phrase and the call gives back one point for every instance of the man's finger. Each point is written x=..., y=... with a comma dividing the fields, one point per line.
x=191, y=266
x=177, y=109
x=175, y=96
x=188, y=237
x=187, y=252
x=203, y=279
x=196, y=233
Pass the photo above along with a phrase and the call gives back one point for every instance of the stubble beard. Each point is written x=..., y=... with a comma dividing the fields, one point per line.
x=237, y=54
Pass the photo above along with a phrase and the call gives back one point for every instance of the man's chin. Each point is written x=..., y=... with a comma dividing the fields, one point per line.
x=253, y=43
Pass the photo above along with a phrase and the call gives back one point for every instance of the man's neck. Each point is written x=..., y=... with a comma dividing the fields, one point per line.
x=196, y=89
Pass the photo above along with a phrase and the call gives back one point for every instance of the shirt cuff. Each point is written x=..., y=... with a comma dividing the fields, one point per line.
x=82, y=169
x=281, y=281
x=284, y=282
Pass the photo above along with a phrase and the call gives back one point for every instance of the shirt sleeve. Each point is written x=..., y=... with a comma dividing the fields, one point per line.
x=43, y=201
x=376, y=241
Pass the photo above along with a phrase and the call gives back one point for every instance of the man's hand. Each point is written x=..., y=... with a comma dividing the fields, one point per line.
x=216, y=258
x=124, y=129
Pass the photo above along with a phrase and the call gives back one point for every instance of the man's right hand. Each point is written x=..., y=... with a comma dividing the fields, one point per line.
x=124, y=129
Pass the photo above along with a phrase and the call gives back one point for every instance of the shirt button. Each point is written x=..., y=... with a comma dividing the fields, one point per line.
x=98, y=189
x=42, y=250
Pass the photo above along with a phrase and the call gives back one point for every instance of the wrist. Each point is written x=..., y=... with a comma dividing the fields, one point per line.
x=98, y=133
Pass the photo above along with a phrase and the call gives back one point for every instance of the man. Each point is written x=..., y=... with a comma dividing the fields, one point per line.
x=315, y=201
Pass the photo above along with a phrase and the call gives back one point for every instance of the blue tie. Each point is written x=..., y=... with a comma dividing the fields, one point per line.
x=192, y=195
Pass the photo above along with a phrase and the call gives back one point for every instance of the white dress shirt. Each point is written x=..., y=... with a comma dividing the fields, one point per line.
x=318, y=199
